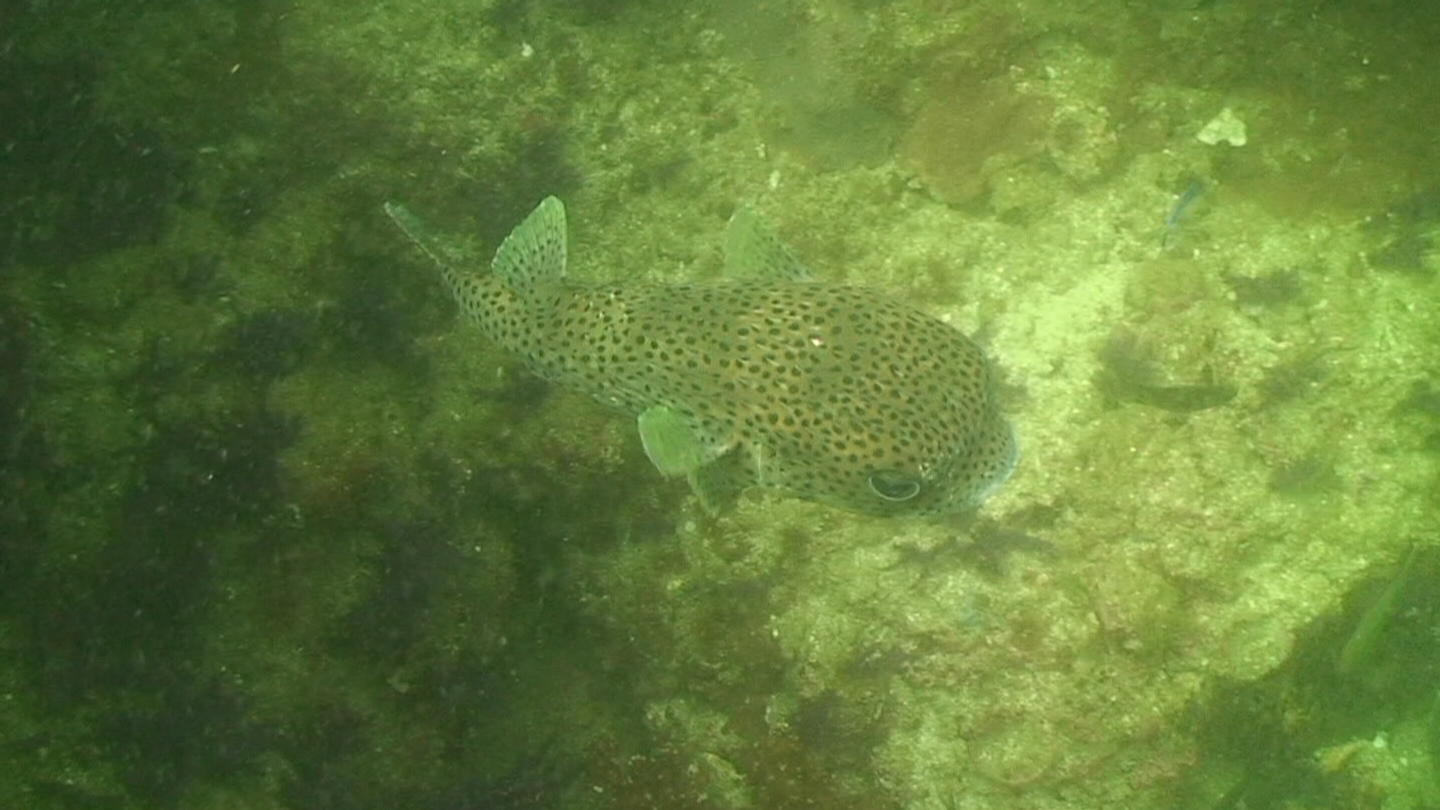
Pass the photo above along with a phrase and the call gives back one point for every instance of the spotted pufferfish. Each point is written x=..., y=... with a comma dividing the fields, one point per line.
x=827, y=392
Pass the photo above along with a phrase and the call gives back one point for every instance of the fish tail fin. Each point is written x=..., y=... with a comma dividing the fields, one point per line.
x=448, y=255
x=435, y=246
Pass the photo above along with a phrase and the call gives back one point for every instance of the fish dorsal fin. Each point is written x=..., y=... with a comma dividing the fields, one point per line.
x=753, y=251
x=531, y=260
x=444, y=252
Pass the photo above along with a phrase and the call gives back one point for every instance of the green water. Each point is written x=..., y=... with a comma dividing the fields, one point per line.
x=278, y=531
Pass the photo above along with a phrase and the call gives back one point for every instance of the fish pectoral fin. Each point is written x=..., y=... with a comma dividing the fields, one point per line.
x=752, y=250
x=670, y=443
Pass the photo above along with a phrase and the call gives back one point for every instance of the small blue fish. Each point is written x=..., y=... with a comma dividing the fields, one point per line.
x=1187, y=197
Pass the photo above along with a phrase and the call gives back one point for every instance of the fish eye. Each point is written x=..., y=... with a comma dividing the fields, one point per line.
x=893, y=485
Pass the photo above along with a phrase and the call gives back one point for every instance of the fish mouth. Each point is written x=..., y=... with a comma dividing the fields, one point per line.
x=1000, y=472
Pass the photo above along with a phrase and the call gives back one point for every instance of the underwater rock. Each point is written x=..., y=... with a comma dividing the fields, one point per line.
x=970, y=130
x=1223, y=128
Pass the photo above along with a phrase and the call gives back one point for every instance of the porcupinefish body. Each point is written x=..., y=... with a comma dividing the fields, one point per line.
x=827, y=392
